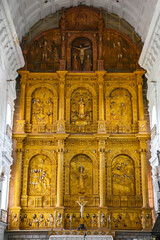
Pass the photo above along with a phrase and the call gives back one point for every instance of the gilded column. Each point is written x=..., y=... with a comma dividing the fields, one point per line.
x=142, y=122
x=144, y=173
x=101, y=122
x=21, y=121
x=15, y=210
x=61, y=122
x=60, y=173
x=102, y=171
x=17, y=193
x=146, y=210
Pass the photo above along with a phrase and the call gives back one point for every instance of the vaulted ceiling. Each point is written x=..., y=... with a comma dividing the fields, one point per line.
x=138, y=13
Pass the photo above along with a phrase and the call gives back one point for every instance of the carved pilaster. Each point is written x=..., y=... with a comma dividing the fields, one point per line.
x=18, y=176
x=101, y=122
x=61, y=122
x=144, y=176
x=60, y=153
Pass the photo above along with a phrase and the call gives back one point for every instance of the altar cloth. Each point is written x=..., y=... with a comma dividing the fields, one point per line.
x=80, y=237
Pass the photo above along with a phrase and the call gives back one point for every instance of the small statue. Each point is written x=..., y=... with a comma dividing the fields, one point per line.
x=76, y=63
x=42, y=221
x=81, y=112
x=34, y=221
x=81, y=178
x=82, y=204
x=15, y=220
x=82, y=52
x=88, y=63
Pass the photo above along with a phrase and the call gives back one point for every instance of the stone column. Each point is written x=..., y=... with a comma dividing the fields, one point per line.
x=102, y=173
x=61, y=122
x=101, y=122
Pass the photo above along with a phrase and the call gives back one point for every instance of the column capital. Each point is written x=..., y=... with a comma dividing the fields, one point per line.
x=100, y=75
x=62, y=75
x=139, y=75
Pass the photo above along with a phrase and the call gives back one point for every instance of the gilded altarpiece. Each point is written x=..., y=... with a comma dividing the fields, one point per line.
x=80, y=130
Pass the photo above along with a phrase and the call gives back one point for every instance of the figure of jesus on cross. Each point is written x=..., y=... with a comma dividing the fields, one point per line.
x=81, y=203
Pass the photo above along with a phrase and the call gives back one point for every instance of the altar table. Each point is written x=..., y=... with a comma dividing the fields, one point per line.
x=80, y=237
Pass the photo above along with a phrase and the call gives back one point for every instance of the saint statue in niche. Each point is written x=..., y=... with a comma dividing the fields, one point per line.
x=81, y=175
x=81, y=109
x=81, y=183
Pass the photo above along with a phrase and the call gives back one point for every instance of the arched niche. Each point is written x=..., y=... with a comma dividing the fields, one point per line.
x=41, y=107
x=81, y=107
x=39, y=176
x=81, y=54
x=81, y=175
x=123, y=176
x=90, y=107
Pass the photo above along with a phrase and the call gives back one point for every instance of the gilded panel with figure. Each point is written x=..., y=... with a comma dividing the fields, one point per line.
x=81, y=175
x=81, y=107
x=123, y=176
x=39, y=176
x=42, y=106
x=120, y=107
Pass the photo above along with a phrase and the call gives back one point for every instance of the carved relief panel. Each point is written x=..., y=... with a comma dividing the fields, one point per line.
x=123, y=176
x=39, y=176
x=119, y=53
x=44, y=52
x=81, y=107
x=42, y=106
x=120, y=107
x=81, y=175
